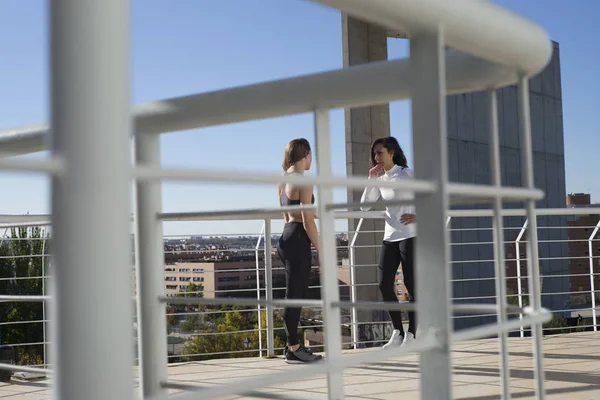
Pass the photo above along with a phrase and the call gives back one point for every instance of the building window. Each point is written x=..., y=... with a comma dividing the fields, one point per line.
x=399, y=292
x=229, y=279
x=184, y=279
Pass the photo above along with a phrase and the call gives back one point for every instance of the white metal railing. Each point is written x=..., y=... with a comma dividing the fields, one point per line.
x=268, y=348
x=91, y=119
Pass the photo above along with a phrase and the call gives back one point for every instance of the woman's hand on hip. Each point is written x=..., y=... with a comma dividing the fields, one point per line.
x=408, y=219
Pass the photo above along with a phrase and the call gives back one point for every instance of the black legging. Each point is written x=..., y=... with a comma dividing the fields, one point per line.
x=294, y=249
x=392, y=255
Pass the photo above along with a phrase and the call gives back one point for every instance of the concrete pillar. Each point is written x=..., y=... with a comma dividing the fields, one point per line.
x=362, y=43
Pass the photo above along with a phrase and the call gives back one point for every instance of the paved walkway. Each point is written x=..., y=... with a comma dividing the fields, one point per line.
x=572, y=372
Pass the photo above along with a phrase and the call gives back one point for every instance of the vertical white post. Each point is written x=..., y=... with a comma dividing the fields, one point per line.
x=432, y=269
x=91, y=127
x=533, y=265
x=258, y=307
x=592, y=286
x=498, y=235
x=44, y=305
x=330, y=291
x=354, y=315
x=519, y=281
x=150, y=261
x=269, y=289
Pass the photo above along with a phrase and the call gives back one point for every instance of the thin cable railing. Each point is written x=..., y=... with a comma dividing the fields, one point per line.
x=374, y=335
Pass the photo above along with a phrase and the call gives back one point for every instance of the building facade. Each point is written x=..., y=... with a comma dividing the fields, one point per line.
x=582, y=232
x=468, y=157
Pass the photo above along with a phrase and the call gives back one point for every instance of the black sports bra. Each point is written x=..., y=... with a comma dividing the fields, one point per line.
x=286, y=201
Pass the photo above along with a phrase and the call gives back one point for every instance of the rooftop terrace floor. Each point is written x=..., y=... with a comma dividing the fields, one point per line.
x=572, y=363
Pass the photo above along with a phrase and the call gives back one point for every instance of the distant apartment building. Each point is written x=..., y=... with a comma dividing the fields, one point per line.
x=579, y=231
x=230, y=272
x=226, y=272
x=218, y=279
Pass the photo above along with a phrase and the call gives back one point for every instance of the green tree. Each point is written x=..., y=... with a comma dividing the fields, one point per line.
x=192, y=290
x=21, y=258
x=192, y=322
x=230, y=338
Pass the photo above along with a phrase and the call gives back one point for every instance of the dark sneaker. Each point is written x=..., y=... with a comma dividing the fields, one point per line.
x=301, y=355
x=286, y=349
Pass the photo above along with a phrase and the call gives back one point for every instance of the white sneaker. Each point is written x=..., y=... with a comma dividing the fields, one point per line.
x=395, y=340
x=408, y=338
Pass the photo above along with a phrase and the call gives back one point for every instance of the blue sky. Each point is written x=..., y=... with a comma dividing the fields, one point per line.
x=190, y=46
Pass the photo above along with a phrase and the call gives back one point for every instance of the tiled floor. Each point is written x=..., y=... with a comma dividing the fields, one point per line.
x=572, y=365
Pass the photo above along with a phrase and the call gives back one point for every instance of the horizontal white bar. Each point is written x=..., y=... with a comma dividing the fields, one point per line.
x=540, y=317
x=8, y=221
x=256, y=213
x=24, y=218
x=23, y=299
x=275, y=213
x=541, y=212
x=456, y=308
x=487, y=191
x=247, y=214
x=20, y=368
x=11, y=221
x=252, y=393
x=25, y=224
x=153, y=173
x=426, y=341
x=242, y=301
x=499, y=33
x=51, y=165
x=360, y=85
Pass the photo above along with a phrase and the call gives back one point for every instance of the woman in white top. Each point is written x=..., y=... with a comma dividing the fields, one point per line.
x=388, y=163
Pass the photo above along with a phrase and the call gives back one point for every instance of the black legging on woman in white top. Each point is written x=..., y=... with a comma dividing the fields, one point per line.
x=392, y=255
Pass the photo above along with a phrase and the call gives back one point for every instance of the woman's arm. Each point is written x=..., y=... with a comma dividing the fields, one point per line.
x=409, y=218
x=372, y=194
x=308, y=217
x=280, y=189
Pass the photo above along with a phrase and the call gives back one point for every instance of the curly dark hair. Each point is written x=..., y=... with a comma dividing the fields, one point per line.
x=392, y=145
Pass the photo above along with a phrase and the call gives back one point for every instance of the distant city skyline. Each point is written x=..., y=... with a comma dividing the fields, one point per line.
x=192, y=47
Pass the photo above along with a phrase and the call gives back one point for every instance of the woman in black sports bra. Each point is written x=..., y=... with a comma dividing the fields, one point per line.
x=294, y=247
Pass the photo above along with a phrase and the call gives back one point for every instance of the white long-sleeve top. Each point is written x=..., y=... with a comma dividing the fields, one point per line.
x=394, y=229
